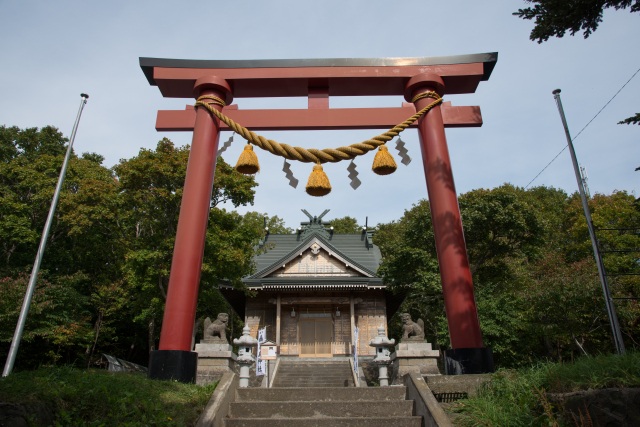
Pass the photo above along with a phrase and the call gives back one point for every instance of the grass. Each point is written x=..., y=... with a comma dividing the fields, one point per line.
x=519, y=398
x=100, y=398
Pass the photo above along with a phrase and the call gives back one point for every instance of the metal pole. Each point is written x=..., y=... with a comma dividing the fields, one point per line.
x=611, y=311
x=22, y=319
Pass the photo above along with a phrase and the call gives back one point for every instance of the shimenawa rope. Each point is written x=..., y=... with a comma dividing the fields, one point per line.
x=313, y=155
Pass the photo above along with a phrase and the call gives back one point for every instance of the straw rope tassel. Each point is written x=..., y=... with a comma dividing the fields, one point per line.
x=248, y=161
x=318, y=184
x=383, y=163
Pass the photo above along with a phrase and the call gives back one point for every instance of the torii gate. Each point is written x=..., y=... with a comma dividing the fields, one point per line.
x=318, y=79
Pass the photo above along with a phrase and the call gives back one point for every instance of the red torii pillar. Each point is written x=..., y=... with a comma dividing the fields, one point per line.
x=468, y=353
x=318, y=79
x=174, y=359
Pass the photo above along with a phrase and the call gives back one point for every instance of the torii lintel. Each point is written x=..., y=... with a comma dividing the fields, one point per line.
x=318, y=80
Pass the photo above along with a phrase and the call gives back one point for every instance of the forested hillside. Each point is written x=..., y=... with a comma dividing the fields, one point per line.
x=102, y=285
x=536, y=282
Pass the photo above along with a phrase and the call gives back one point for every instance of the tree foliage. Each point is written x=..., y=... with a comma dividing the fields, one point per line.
x=103, y=281
x=633, y=120
x=151, y=192
x=553, y=18
x=345, y=225
x=81, y=254
x=104, y=277
x=536, y=285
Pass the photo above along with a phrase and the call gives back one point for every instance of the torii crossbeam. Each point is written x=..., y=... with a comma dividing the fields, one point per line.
x=318, y=80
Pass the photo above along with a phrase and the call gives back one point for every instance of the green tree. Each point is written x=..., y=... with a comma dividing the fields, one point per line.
x=503, y=231
x=345, y=225
x=258, y=221
x=410, y=269
x=151, y=187
x=565, y=310
x=58, y=328
x=29, y=169
x=86, y=213
x=536, y=285
x=30, y=143
x=616, y=219
x=633, y=120
x=554, y=18
x=150, y=195
x=498, y=224
x=103, y=282
x=81, y=255
x=232, y=241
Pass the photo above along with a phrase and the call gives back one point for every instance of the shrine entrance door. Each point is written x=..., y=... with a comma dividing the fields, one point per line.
x=316, y=335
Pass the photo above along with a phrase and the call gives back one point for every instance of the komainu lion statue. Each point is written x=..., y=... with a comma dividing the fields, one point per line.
x=216, y=330
x=412, y=331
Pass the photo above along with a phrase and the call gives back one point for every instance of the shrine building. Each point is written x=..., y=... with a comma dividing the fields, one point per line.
x=313, y=288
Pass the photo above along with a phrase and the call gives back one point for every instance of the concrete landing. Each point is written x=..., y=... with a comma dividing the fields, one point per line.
x=322, y=406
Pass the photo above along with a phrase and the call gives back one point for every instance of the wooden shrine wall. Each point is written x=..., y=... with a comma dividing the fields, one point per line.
x=370, y=313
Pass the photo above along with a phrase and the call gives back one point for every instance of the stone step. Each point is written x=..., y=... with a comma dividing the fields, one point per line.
x=314, y=371
x=332, y=379
x=308, y=364
x=407, y=421
x=317, y=373
x=339, y=382
x=346, y=375
x=314, y=368
x=314, y=374
x=323, y=384
x=301, y=409
x=307, y=375
x=301, y=375
x=321, y=394
x=314, y=363
x=313, y=384
x=322, y=407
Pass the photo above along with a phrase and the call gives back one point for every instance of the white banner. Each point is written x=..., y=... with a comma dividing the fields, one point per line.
x=261, y=365
x=355, y=350
x=262, y=335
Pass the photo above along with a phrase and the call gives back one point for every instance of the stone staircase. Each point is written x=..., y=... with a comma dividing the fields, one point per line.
x=308, y=373
x=322, y=406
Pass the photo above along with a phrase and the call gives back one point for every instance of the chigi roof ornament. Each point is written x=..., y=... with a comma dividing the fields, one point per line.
x=315, y=225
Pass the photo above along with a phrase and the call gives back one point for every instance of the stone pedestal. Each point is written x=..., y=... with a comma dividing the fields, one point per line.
x=418, y=357
x=383, y=371
x=213, y=361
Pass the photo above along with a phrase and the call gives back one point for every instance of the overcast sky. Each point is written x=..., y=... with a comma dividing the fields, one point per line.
x=54, y=50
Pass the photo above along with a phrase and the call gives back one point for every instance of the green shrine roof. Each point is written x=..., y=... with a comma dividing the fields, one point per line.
x=346, y=261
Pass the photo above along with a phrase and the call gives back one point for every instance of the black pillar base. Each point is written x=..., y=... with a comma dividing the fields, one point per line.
x=460, y=361
x=176, y=365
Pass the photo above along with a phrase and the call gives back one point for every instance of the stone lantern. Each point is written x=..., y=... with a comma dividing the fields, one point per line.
x=245, y=358
x=382, y=345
